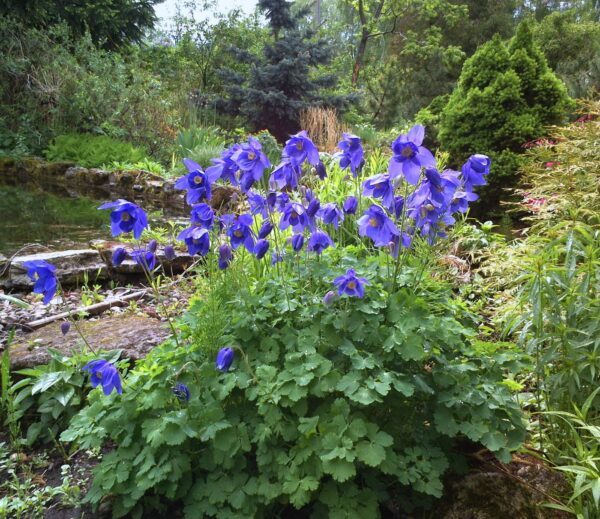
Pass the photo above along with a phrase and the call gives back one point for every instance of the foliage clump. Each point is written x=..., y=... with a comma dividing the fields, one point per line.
x=92, y=150
x=506, y=96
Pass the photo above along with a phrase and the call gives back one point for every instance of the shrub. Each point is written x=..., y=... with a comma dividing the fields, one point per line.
x=506, y=96
x=333, y=410
x=92, y=150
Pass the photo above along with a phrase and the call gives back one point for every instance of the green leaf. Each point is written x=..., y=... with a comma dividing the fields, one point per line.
x=340, y=470
x=371, y=454
x=15, y=301
x=46, y=381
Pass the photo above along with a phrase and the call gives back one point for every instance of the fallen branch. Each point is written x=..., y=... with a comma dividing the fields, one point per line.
x=94, y=309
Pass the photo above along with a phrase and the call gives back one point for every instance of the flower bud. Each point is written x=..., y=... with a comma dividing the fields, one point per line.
x=350, y=205
x=224, y=359
x=265, y=229
x=313, y=207
x=321, y=171
x=152, y=245
x=297, y=242
x=65, y=327
x=329, y=298
x=261, y=248
x=170, y=252
x=119, y=256
x=225, y=256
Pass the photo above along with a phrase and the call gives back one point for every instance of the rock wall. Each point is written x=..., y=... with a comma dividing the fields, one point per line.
x=66, y=179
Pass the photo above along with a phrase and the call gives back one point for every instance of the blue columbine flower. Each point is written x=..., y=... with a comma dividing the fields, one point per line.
x=380, y=186
x=277, y=200
x=225, y=256
x=126, y=217
x=181, y=391
x=240, y=233
x=398, y=207
x=251, y=161
x=460, y=201
x=265, y=229
x=285, y=175
x=224, y=359
x=119, y=256
x=145, y=258
x=203, y=215
x=197, y=240
x=43, y=274
x=261, y=248
x=294, y=215
x=224, y=167
x=299, y=148
x=437, y=188
x=350, y=205
x=196, y=182
x=258, y=204
x=319, y=241
x=474, y=171
x=331, y=214
x=297, y=241
x=352, y=153
x=409, y=156
x=376, y=224
x=350, y=284
x=104, y=373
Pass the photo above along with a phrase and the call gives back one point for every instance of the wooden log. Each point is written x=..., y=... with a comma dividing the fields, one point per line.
x=94, y=309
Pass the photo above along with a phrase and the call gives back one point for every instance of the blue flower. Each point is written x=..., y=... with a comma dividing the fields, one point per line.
x=126, y=217
x=202, y=215
x=265, y=229
x=224, y=167
x=240, y=233
x=398, y=207
x=319, y=241
x=331, y=214
x=119, y=256
x=350, y=284
x=294, y=215
x=251, y=161
x=409, y=156
x=152, y=245
x=460, y=201
x=196, y=182
x=352, y=153
x=258, y=204
x=299, y=148
x=197, y=240
x=225, y=256
x=277, y=200
x=224, y=359
x=284, y=175
x=181, y=391
x=170, y=254
x=437, y=188
x=43, y=274
x=261, y=248
x=350, y=205
x=106, y=374
x=380, y=186
x=474, y=171
x=313, y=207
x=145, y=258
x=376, y=224
x=297, y=242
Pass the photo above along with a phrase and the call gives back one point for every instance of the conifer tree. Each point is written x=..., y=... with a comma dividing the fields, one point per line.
x=282, y=81
x=506, y=96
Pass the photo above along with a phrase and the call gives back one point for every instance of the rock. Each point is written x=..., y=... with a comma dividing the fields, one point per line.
x=135, y=335
x=106, y=248
x=72, y=267
x=517, y=492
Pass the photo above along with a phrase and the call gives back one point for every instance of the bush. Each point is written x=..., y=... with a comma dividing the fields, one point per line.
x=92, y=151
x=332, y=410
x=506, y=96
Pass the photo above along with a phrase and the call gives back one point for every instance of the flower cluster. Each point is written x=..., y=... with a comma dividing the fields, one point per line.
x=412, y=200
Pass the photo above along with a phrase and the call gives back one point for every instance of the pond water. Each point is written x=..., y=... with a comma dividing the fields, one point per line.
x=46, y=219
